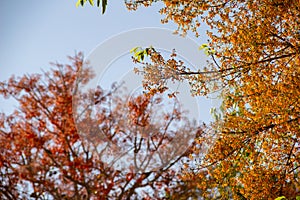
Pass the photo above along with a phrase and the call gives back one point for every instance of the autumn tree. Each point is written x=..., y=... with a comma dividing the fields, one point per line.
x=254, y=48
x=60, y=143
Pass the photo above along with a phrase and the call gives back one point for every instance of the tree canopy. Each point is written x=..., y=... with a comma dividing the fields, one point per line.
x=254, y=48
x=50, y=151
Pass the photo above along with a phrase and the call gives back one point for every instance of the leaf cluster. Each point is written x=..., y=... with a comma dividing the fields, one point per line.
x=102, y=2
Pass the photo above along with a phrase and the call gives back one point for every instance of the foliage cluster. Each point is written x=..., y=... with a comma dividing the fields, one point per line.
x=254, y=48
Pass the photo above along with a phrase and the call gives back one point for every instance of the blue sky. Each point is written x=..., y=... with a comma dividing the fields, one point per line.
x=32, y=33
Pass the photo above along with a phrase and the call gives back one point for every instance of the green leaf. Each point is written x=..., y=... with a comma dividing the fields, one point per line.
x=78, y=3
x=91, y=2
x=297, y=197
x=212, y=51
x=145, y=52
x=280, y=198
x=134, y=49
x=212, y=110
x=203, y=46
x=206, y=51
x=104, y=4
x=82, y=2
x=140, y=53
x=137, y=54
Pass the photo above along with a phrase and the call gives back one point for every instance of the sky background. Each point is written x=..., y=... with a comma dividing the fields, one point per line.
x=32, y=33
